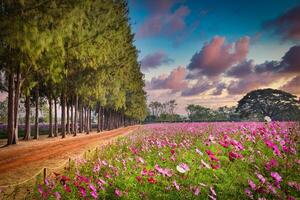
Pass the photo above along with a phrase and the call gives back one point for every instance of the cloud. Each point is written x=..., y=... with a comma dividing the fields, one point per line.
x=175, y=81
x=219, y=89
x=250, y=82
x=268, y=66
x=155, y=60
x=287, y=26
x=290, y=63
x=291, y=60
x=201, y=86
x=162, y=20
x=265, y=74
x=293, y=86
x=241, y=70
x=216, y=57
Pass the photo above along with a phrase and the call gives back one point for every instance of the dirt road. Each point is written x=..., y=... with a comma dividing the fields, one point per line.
x=25, y=159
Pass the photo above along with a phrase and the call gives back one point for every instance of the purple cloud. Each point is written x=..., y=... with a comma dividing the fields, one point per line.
x=162, y=20
x=202, y=85
x=287, y=26
x=241, y=70
x=155, y=60
x=216, y=56
x=219, y=89
x=175, y=81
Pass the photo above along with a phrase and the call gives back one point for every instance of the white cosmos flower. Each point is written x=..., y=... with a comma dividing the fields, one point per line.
x=180, y=169
x=199, y=152
x=267, y=119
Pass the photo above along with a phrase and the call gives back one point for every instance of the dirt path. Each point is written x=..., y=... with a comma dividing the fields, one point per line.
x=24, y=160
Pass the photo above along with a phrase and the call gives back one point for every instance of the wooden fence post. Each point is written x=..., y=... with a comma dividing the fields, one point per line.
x=45, y=174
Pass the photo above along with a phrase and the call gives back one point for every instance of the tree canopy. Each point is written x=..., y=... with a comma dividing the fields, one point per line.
x=79, y=53
x=276, y=104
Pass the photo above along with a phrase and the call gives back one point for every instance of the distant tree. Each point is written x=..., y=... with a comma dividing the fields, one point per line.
x=277, y=104
x=199, y=113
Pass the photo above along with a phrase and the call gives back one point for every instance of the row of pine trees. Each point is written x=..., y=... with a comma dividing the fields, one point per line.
x=76, y=54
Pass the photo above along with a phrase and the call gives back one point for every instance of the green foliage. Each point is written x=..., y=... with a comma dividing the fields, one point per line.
x=74, y=48
x=201, y=113
x=277, y=104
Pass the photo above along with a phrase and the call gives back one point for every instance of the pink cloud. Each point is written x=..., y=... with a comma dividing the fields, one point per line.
x=292, y=86
x=175, y=81
x=162, y=20
x=155, y=60
x=216, y=56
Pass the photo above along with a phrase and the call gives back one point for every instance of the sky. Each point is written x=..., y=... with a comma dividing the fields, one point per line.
x=213, y=52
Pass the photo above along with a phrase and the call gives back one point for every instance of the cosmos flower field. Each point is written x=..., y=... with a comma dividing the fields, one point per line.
x=187, y=161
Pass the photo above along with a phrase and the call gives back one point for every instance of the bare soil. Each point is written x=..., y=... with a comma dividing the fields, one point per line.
x=22, y=161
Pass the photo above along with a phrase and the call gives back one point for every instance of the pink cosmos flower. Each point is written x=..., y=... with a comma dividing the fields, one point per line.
x=144, y=172
x=272, y=163
x=233, y=156
x=118, y=192
x=57, y=195
x=276, y=177
x=252, y=184
x=197, y=191
x=163, y=171
x=176, y=185
x=82, y=191
x=96, y=168
x=261, y=178
x=92, y=187
x=94, y=194
x=40, y=189
x=272, y=189
x=294, y=184
x=248, y=193
x=151, y=173
x=224, y=143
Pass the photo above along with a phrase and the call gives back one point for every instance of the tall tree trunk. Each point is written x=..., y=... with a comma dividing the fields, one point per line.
x=76, y=114
x=10, y=119
x=36, y=128
x=55, y=118
x=90, y=119
x=110, y=119
x=87, y=123
x=63, y=114
x=68, y=118
x=50, y=117
x=27, y=118
x=99, y=119
x=72, y=116
x=16, y=106
x=80, y=120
